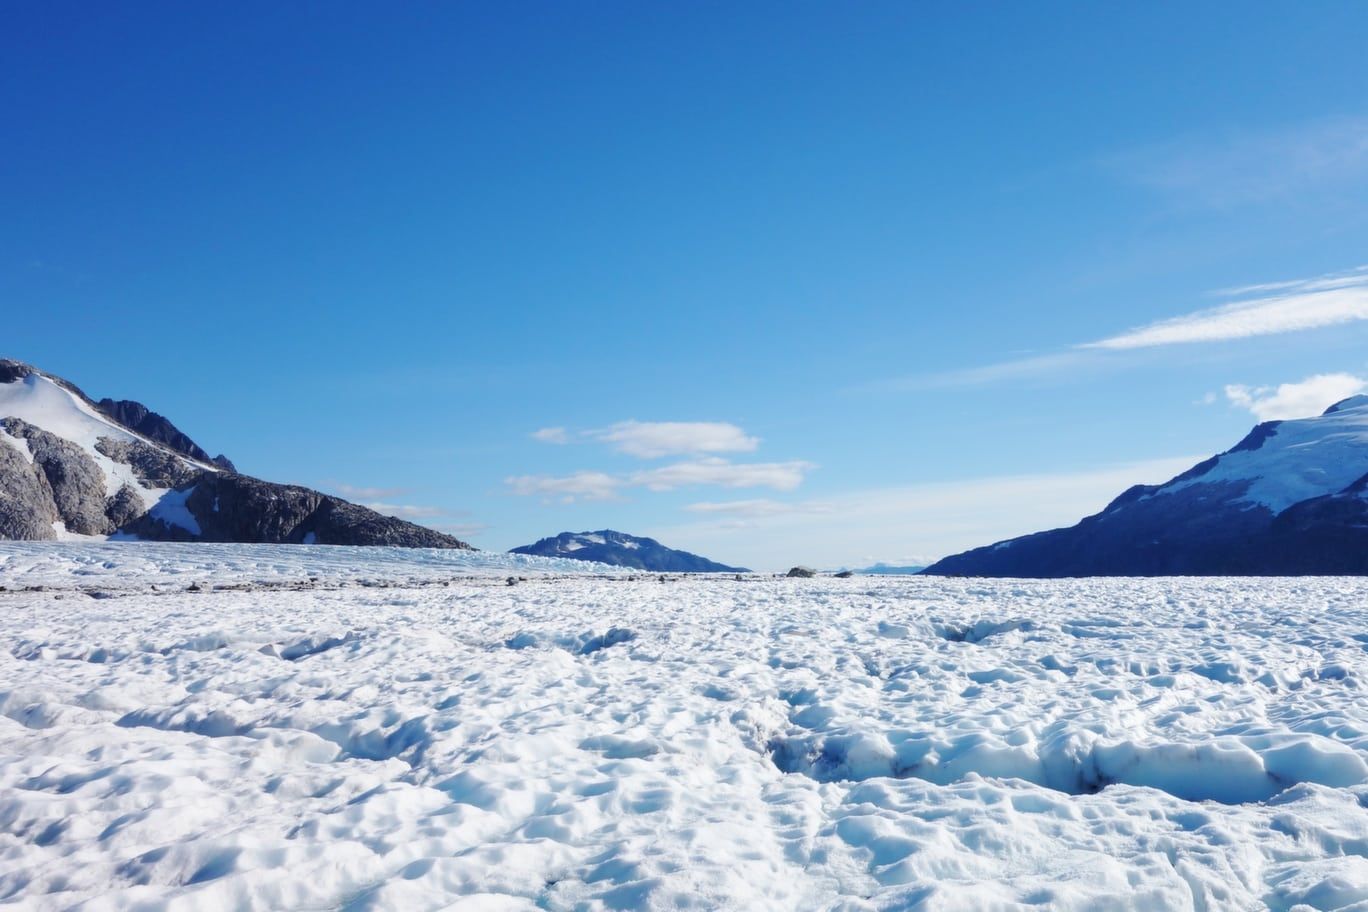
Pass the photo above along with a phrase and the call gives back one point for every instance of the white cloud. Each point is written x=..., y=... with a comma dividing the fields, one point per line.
x=781, y=476
x=922, y=519
x=552, y=435
x=653, y=439
x=1268, y=309
x=1311, y=396
x=1301, y=305
x=587, y=485
x=576, y=486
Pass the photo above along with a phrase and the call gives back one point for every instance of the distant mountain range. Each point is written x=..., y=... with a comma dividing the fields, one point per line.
x=1291, y=498
x=73, y=467
x=882, y=569
x=623, y=550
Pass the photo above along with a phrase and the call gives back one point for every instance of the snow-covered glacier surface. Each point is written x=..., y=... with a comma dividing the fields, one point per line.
x=448, y=741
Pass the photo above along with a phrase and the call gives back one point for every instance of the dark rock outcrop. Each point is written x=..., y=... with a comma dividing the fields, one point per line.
x=124, y=507
x=138, y=417
x=154, y=467
x=65, y=482
x=238, y=508
x=76, y=482
x=801, y=573
x=27, y=510
x=622, y=550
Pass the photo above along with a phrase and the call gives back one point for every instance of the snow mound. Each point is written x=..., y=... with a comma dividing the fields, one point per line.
x=426, y=737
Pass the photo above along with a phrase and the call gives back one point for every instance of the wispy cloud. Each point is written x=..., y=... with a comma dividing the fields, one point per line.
x=1295, y=306
x=1270, y=308
x=588, y=485
x=654, y=439
x=781, y=476
x=1252, y=166
x=557, y=435
x=1308, y=397
x=567, y=488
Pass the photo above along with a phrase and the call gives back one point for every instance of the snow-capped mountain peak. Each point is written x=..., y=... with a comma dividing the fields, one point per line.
x=1288, y=498
x=622, y=550
x=70, y=467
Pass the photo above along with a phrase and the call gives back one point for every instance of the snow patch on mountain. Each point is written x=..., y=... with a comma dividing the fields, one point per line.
x=1287, y=462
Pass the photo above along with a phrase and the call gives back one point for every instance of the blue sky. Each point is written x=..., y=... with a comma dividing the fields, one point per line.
x=888, y=275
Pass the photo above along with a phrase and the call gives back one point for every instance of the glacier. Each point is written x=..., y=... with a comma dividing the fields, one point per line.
x=295, y=727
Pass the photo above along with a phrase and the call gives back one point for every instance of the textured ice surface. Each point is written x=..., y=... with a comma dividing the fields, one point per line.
x=145, y=565
x=594, y=743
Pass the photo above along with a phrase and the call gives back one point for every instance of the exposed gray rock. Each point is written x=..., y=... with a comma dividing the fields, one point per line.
x=845, y=574
x=154, y=467
x=124, y=507
x=11, y=371
x=26, y=508
x=802, y=572
x=64, y=483
x=138, y=417
x=78, y=485
x=239, y=508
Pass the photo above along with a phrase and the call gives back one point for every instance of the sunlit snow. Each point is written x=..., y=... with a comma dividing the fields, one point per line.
x=340, y=728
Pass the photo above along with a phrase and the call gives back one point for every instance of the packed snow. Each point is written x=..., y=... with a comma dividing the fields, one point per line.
x=404, y=730
x=39, y=401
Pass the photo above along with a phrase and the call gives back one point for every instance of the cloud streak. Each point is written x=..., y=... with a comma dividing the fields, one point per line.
x=655, y=439
x=557, y=435
x=1271, y=308
x=1296, y=306
x=589, y=485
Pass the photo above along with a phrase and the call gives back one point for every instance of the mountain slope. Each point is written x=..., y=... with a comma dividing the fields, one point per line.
x=623, y=550
x=1291, y=498
x=69, y=467
x=138, y=417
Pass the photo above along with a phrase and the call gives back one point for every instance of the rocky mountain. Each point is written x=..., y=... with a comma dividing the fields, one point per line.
x=72, y=467
x=1291, y=498
x=623, y=550
x=138, y=417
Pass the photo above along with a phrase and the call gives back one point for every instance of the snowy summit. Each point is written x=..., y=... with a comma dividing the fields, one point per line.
x=623, y=550
x=70, y=467
x=1290, y=498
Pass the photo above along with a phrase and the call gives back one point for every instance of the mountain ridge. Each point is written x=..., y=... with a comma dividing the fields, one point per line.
x=620, y=549
x=1290, y=498
x=70, y=468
